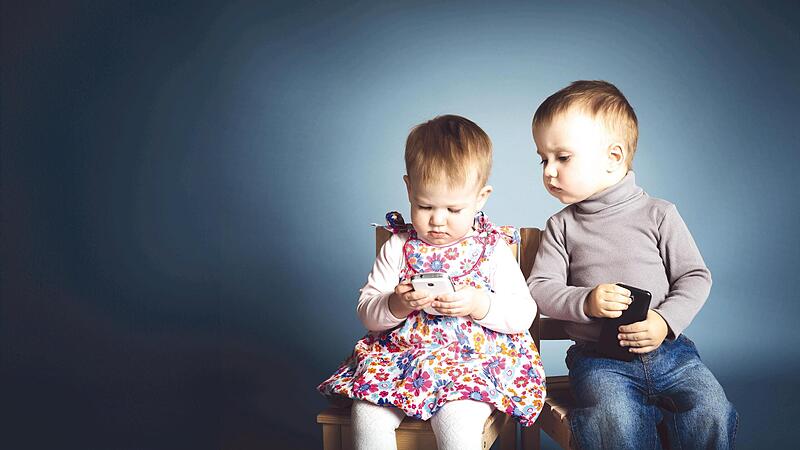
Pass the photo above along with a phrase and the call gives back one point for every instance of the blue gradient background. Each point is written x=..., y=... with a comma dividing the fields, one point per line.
x=187, y=188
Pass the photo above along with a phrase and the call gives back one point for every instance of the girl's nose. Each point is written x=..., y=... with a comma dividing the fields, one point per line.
x=439, y=217
x=550, y=171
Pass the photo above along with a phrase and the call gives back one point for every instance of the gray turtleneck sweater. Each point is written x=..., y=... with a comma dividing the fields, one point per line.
x=619, y=235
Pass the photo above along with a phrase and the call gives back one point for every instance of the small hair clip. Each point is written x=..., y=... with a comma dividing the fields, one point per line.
x=396, y=223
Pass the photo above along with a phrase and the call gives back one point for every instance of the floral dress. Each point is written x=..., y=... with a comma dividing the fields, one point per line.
x=429, y=360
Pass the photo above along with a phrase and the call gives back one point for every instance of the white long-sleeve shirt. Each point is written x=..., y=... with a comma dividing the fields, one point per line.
x=512, y=308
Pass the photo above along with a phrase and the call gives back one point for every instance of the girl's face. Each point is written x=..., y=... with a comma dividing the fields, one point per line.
x=442, y=214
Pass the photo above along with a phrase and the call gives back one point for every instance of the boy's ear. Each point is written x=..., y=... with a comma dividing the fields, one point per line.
x=483, y=196
x=616, y=157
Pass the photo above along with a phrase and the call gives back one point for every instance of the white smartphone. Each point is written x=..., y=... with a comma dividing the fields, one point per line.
x=433, y=284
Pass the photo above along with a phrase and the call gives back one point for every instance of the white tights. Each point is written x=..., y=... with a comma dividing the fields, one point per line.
x=457, y=425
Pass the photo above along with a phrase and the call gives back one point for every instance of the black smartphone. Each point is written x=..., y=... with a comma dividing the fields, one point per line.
x=608, y=344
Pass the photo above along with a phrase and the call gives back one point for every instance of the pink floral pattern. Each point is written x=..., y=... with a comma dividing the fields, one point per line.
x=429, y=360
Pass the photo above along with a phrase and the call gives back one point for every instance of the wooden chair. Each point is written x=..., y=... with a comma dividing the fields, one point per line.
x=412, y=434
x=553, y=418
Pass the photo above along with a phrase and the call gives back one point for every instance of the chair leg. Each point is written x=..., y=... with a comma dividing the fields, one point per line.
x=531, y=440
x=331, y=437
x=508, y=436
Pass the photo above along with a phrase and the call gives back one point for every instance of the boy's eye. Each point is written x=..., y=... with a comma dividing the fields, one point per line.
x=563, y=158
x=424, y=207
x=454, y=211
x=543, y=162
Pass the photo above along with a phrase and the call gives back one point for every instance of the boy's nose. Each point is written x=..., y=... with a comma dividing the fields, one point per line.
x=550, y=171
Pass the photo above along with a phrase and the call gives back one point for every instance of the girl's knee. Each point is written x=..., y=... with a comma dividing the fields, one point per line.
x=464, y=412
x=459, y=424
x=366, y=415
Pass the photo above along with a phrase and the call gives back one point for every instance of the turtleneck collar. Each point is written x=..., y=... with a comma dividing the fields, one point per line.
x=622, y=192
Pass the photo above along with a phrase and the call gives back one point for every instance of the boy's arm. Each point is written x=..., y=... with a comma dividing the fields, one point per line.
x=548, y=279
x=512, y=309
x=689, y=278
x=373, y=303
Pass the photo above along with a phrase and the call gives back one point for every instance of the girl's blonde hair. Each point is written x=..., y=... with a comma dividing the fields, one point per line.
x=450, y=147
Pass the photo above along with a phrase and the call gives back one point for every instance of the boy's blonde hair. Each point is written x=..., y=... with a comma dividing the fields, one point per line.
x=598, y=99
x=450, y=146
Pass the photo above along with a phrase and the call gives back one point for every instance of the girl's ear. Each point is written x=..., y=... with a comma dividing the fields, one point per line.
x=616, y=157
x=483, y=196
x=408, y=187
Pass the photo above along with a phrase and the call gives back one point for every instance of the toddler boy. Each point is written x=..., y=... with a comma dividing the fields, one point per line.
x=612, y=232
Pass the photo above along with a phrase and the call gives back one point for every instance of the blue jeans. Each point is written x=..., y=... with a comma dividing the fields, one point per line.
x=619, y=403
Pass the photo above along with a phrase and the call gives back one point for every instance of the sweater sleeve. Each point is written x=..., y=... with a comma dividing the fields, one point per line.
x=512, y=309
x=689, y=278
x=373, y=303
x=548, y=279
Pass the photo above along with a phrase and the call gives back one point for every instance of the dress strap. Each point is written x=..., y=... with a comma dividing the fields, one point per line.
x=491, y=231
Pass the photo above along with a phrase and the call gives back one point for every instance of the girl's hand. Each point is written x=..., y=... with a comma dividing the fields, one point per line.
x=607, y=300
x=644, y=336
x=405, y=299
x=465, y=301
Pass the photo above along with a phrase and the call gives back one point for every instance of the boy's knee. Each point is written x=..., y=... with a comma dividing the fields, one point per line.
x=716, y=412
x=615, y=413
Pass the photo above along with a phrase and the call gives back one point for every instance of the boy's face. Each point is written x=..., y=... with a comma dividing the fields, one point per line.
x=579, y=157
x=442, y=214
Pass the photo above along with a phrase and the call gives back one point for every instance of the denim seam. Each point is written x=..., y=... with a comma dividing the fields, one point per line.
x=642, y=359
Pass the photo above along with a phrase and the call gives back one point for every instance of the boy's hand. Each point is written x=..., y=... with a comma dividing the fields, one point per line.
x=405, y=299
x=607, y=300
x=644, y=336
x=465, y=301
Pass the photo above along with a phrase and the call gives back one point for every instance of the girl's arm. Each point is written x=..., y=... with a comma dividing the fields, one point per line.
x=512, y=308
x=373, y=303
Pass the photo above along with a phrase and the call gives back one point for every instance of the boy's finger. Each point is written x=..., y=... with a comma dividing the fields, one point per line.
x=614, y=306
x=617, y=298
x=640, y=336
x=636, y=343
x=620, y=290
x=642, y=350
x=635, y=327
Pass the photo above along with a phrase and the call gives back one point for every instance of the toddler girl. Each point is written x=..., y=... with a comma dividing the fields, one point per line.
x=473, y=352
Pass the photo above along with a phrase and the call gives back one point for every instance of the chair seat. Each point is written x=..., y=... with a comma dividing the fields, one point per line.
x=553, y=418
x=412, y=433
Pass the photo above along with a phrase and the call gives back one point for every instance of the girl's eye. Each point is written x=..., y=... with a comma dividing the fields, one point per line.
x=455, y=211
x=424, y=207
x=543, y=162
x=563, y=158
